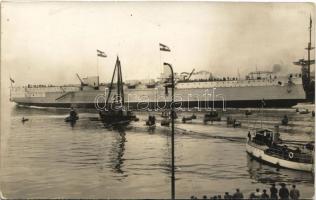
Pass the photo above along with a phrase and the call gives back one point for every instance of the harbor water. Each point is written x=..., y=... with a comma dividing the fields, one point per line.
x=47, y=158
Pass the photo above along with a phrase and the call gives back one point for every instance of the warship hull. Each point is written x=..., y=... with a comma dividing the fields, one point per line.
x=157, y=98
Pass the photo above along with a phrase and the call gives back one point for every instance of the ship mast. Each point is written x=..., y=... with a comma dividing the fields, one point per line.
x=308, y=84
x=120, y=92
x=309, y=48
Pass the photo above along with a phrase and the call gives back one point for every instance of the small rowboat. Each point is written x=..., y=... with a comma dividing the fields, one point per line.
x=71, y=119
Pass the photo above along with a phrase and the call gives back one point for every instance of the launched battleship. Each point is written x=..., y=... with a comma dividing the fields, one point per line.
x=192, y=90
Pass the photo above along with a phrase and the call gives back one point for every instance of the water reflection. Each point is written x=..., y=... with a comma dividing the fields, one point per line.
x=264, y=173
x=117, y=150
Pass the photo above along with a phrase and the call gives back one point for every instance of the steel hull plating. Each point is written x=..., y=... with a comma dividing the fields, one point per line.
x=219, y=97
x=184, y=105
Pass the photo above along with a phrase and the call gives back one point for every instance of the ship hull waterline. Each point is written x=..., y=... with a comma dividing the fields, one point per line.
x=185, y=105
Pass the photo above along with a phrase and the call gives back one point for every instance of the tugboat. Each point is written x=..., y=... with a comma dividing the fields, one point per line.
x=266, y=146
x=116, y=113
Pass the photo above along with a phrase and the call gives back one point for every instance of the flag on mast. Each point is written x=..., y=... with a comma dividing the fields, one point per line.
x=12, y=81
x=101, y=53
x=164, y=47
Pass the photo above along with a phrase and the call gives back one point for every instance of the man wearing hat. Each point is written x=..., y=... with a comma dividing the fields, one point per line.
x=273, y=192
x=294, y=193
x=284, y=192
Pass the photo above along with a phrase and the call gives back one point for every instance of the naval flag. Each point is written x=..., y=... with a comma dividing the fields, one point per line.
x=101, y=53
x=163, y=47
x=12, y=81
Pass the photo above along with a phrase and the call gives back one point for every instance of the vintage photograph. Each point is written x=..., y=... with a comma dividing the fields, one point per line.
x=157, y=100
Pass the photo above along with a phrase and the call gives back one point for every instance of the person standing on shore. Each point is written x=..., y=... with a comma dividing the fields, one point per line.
x=227, y=196
x=284, y=192
x=273, y=192
x=238, y=195
x=294, y=193
x=258, y=193
x=264, y=195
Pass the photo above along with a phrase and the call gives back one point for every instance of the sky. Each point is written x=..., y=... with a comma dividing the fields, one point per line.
x=49, y=42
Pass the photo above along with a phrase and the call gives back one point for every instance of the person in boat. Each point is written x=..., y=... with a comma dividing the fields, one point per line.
x=284, y=192
x=73, y=114
x=265, y=195
x=238, y=195
x=24, y=120
x=285, y=120
x=294, y=193
x=249, y=136
x=285, y=151
x=310, y=146
x=273, y=192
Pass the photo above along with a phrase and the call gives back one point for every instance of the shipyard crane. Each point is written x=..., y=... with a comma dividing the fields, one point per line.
x=81, y=81
x=191, y=74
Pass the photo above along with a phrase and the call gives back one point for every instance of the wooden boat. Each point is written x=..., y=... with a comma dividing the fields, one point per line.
x=71, y=119
x=116, y=113
x=233, y=122
x=248, y=112
x=151, y=122
x=24, y=120
x=165, y=122
x=190, y=118
x=212, y=116
x=306, y=111
x=73, y=116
